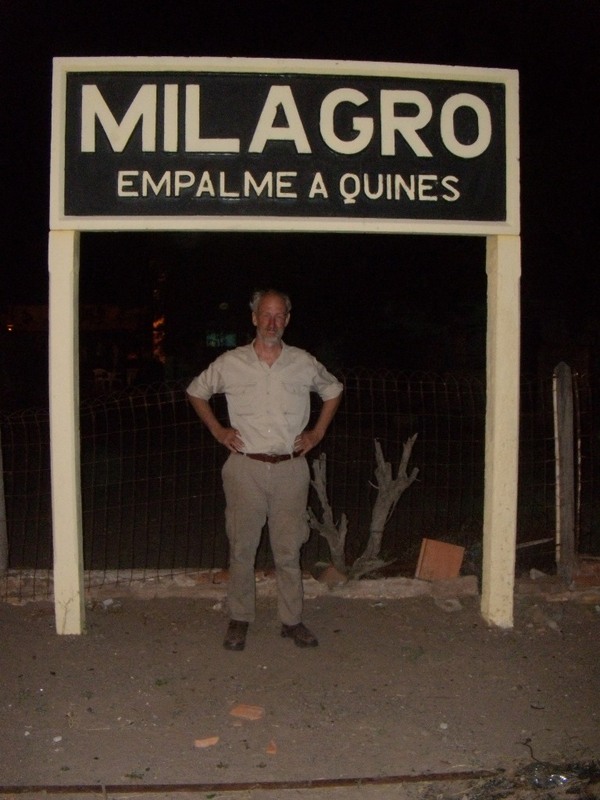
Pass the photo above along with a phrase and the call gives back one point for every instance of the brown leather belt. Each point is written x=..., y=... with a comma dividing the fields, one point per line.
x=269, y=459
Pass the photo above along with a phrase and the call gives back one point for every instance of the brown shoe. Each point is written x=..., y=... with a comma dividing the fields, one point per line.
x=236, y=635
x=300, y=634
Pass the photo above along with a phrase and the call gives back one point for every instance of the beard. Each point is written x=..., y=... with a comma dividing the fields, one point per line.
x=270, y=337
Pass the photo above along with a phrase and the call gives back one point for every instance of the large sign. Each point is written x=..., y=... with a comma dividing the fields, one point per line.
x=260, y=144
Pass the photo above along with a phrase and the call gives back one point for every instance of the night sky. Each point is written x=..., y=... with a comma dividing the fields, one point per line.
x=384, y=289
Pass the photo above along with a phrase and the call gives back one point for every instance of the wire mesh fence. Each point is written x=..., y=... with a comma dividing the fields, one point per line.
x=152, y=498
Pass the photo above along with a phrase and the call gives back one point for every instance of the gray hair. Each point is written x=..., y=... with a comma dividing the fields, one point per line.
x=258, y=296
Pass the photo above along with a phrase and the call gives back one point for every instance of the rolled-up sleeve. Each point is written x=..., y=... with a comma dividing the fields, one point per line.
x=324, y=383
x=208, y=382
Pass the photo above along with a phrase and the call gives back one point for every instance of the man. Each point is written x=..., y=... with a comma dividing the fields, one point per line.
x=266, y=477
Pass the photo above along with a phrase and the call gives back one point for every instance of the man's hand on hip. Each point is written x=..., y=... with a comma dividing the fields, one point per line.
x=306, y=440
x=231, y=439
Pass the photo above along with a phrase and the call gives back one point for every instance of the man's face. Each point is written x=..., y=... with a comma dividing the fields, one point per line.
x=270, y=319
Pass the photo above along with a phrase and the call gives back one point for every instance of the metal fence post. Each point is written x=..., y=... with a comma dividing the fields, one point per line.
x=562, y=382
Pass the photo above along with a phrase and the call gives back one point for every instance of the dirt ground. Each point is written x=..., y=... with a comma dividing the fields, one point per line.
x=402, y=697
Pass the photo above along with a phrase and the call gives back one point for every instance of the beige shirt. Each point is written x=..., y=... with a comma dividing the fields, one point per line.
x=269, y=406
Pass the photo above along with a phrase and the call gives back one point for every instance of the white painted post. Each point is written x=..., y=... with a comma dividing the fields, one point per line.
x=63, y=263
x=503, y=265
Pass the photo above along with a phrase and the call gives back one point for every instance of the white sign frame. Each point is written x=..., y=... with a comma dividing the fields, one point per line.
x=59, y=220
x=503, y=266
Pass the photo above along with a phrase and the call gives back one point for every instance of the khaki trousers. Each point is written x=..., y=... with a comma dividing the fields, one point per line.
x=256, y=492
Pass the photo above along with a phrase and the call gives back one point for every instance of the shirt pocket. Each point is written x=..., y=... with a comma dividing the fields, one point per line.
x=295, y=398
x=242, y=398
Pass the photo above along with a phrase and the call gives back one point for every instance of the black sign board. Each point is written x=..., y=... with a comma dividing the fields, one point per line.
x=191, y=145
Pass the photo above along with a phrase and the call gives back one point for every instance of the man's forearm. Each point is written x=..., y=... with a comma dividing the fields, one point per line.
x=308, y=439
x=228, y=437
x=328, y=410
x=203, y=409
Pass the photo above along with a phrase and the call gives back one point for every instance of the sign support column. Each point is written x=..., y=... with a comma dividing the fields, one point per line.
x=63, y=263
x=503, y=265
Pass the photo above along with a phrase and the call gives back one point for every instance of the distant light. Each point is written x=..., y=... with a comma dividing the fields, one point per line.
x=223, y=306
x=218, y=339
x=10, y=327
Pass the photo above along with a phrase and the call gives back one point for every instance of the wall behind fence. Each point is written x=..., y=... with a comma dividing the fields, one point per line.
x=151, y=486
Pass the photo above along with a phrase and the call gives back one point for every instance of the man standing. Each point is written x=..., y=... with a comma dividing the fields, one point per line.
x=266, y=477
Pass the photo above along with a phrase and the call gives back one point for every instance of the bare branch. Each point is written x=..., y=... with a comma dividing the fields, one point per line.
x=389, y=490
x=333, y=534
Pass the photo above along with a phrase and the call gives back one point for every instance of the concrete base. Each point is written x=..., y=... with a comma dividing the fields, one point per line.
x=23, y=587
x=18, y=588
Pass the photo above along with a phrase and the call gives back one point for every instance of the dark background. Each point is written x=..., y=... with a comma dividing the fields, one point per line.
x=406, y=302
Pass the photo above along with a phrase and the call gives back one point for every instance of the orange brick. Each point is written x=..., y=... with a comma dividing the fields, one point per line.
x=247, y=712
x=439, y=560
x=209, y=741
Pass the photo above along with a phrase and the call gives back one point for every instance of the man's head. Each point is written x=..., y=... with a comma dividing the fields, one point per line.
x=270, y=314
